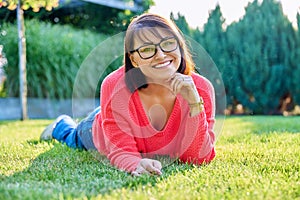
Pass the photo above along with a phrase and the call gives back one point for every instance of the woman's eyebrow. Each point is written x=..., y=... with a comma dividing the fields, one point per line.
x=161, y=39
x=146, y=43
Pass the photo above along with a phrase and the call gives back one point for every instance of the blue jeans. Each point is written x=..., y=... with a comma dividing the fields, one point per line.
x=76, y=136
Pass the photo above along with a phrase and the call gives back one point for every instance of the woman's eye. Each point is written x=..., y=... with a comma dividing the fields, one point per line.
x=167, y=43
x=146, y=49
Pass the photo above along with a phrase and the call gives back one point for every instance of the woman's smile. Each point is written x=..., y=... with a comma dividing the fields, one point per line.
x=163, y=65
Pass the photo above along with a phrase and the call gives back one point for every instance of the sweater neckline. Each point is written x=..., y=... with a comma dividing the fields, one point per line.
x=146, y=119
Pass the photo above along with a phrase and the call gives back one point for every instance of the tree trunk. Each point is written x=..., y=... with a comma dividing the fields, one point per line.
x=22, y=61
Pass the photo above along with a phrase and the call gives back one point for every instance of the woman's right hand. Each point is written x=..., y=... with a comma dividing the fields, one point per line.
x=148, y=166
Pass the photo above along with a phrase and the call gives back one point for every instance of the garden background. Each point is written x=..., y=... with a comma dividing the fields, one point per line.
x=258, y=57
x=257, y=154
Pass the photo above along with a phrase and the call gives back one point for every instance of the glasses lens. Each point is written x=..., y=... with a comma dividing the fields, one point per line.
x=147, y=51
x=168, y=45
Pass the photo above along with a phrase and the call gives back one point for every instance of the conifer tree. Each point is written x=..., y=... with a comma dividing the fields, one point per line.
x=259, y=45
x=214, y=42
x=295, y=62
x=181, y=22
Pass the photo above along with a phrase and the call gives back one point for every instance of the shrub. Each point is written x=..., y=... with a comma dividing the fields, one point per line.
x=54, y=55
x=3, y=62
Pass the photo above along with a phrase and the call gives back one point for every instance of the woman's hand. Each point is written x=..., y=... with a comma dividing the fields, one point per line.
x=148, y=166
x=184, y=85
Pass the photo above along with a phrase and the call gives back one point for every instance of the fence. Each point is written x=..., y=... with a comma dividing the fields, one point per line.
x=10, y=108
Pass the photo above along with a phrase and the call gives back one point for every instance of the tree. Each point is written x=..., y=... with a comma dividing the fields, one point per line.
x=109, y=17
x=181, y=22
x=22, y=5
x=213, y=39
x=295, y=62
x=260, y=44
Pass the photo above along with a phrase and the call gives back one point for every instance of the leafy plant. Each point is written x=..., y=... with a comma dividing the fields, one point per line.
x=54, y=54
x=258, y=57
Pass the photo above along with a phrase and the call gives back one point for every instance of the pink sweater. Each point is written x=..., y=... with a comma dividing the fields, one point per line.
x=123, y=132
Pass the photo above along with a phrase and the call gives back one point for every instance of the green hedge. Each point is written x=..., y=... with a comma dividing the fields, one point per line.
x=54, y=55
x=257, y=56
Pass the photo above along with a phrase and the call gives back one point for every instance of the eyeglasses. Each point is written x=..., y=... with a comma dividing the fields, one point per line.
x=149, y=50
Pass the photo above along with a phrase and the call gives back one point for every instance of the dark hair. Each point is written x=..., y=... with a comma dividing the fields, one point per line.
x=134, y=77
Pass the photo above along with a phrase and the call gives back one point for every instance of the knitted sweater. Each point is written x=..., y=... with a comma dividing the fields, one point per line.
x=123, y=132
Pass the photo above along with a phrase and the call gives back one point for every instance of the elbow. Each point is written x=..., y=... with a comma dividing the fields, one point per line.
x=200, y=160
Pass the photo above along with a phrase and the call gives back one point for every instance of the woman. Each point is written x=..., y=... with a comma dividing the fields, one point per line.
x=153, y=105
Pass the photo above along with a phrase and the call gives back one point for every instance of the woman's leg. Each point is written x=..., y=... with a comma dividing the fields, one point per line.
x=84, y=130
x=65, y=131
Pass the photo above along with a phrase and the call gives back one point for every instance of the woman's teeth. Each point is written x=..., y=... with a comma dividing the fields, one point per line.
x=162, y=64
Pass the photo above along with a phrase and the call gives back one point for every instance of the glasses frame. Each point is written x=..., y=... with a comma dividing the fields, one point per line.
x=156, y=45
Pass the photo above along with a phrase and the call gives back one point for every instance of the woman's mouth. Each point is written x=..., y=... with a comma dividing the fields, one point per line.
x=162, y=65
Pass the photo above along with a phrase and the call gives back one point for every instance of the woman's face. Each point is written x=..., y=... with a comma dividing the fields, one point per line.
x=161, y=60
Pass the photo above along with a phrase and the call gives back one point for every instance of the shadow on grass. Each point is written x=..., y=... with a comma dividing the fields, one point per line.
x=241, y=130
x=265, y=124
x=63, y=172
x=271, y=124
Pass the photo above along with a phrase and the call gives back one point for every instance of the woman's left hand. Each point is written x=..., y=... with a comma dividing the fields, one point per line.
x=148, y=166
x=184, y=85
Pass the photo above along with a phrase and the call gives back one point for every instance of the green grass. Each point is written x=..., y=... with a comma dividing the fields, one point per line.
x=258, y=157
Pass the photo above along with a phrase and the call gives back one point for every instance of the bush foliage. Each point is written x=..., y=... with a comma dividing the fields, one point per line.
x=81, y=14
x=54, y=55
x=258, y=57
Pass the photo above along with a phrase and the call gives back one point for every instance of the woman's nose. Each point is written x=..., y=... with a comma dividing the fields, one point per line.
x=159, y=53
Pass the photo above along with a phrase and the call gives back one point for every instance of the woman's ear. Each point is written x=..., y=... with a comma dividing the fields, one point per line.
x=133, y=61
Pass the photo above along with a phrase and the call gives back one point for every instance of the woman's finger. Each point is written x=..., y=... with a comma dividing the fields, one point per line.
x=157, y=164
x=153, y=169
x=178, y=82
x=174, y=82
x=139, y=171
x=152, y=166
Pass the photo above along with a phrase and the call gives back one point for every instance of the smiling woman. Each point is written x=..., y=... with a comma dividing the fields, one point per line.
x=154, y=105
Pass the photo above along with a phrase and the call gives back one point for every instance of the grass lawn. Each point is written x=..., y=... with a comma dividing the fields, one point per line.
x=258, y=157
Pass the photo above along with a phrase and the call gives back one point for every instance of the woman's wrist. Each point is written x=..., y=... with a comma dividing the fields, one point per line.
x=196, y=108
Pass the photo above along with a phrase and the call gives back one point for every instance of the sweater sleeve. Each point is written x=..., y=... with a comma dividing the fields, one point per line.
x=120, y=145
x=199, y=137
